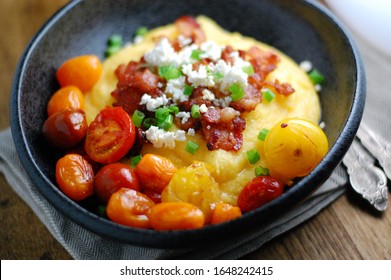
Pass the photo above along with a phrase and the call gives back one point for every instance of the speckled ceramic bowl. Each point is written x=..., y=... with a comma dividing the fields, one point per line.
x=301, y=29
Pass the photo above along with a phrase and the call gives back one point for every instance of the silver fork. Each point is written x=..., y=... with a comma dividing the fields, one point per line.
x=367, y=179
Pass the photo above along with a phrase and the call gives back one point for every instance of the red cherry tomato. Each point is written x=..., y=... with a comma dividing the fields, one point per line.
x=110, y=136
x=65, y=129
x=110, y=178
x=258, y=192
x=130, y=208
x=74, y=176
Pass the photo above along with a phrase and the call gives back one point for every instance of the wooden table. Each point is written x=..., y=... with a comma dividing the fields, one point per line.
x=347, y=229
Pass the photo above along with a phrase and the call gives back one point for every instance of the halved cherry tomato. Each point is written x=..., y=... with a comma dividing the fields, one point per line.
x=225, y=212
x=155, y=172
x=258, y=192
x=175, y=216
x=130, y=208
x=65, y=129
x=110, y=136
x=81, y=71
x=110, y=178
x=74, y=176
x=69, y=97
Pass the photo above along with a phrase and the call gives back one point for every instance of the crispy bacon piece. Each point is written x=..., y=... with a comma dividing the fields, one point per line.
x=133, y=81
x=222, y=135
x=250, y=100
x=188, y=27
x=280, y=88
x=263, y=63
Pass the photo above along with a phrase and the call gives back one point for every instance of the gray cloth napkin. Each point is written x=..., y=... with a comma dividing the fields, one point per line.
x=83, y=244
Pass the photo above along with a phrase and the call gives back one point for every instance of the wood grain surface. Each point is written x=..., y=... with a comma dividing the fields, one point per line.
x=347, y=229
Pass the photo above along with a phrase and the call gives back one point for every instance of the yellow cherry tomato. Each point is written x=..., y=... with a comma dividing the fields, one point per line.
x=224, y=212
x=194, y=184
x=293, y=147
x=81, y=71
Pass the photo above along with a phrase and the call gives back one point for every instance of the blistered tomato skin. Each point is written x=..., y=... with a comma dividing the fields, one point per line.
x=176, y=216
x=110, y=136
x=81, y=71
x=74, y=176
x=130, y=208
x=293, y=147
x=224, y=212
x=69, y=97
x=65, y=129
x=154, y=172
x=258, y=192
x=112, y=177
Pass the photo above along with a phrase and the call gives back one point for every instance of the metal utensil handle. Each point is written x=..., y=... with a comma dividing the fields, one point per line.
x=366, y=179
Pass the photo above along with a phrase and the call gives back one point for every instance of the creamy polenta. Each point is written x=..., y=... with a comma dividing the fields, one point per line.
x=231, y=170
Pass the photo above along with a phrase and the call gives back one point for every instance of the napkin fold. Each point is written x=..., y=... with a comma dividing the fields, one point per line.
x=83, y=244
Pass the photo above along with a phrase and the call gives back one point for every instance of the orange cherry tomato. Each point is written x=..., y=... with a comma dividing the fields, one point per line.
x=176, y=216
x=74, y=176
x=225, y=212
x=110, y=136
x=65, y=129
x=69, y=97
x=112, y=177
x=130, y=208
x=154, y=172
x=81, y=71
x=258, y=192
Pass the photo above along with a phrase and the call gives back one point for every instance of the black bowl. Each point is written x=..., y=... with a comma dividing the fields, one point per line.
x=301, y=29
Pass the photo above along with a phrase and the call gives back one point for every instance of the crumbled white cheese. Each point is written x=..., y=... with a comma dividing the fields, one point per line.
x=210, y=50
x=318, y=87
x=231, y=74
x=161, y=138
x=238, y=61
x=175, y=88
x=153, y=103
x=191, y=131
x=184, y=41
x=203, y=108
x=208, y=95
x=138, y=39
x=306, y=65
x=185, y=116
x=199, y=78
x=223, y=102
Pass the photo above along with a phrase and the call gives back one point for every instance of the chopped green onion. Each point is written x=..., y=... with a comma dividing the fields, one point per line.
x=253, y=156
x=237, y=92
x=135, y=160
x=162, y=113
x=261, y=171
x=218, y=75
x=316, y=77
x=115, y=40
x=195, y=54
x=195, y=111
x=169, y=72
x=268, y=95
x=101, y=209
x=249, y=70
x=262, y=134
x=148, y=122
x=188, y=90
x=174, y=109
x=166, y=123
x=191, y=147
x=141, y=31
x=138, y=118
x=112, y=50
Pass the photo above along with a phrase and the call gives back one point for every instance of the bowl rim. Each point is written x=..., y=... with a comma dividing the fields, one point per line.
x=173, y=239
